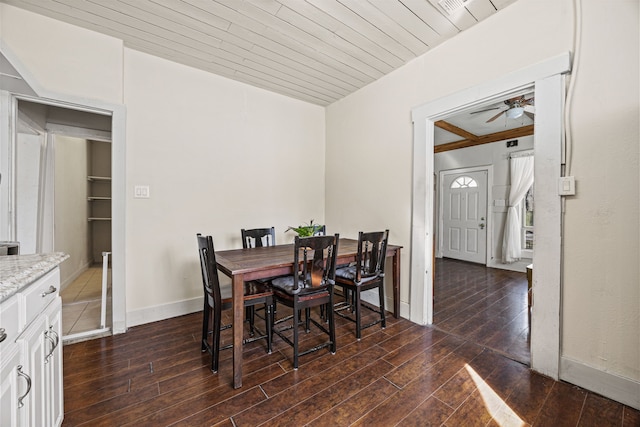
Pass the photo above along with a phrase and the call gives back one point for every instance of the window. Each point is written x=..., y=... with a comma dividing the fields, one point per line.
x=527, y=220
x=464, y=182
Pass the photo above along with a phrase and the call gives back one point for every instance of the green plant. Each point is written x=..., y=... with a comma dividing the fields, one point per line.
x=306, y=230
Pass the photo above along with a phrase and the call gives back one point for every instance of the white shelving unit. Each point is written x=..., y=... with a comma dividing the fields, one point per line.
x=99, y=199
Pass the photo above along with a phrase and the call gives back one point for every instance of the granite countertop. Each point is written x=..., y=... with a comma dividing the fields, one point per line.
x=18, y=271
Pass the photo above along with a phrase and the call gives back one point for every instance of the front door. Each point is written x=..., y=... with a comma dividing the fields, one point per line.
x=464, y=230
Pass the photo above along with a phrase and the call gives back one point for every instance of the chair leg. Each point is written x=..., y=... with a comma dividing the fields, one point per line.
x=382, y=315
x=358, y=313
x=307, y=324
x=215, y=348
x=205, y=327
x=296, y=315
x=268, y=318
x=250, y=316
x=332, y=326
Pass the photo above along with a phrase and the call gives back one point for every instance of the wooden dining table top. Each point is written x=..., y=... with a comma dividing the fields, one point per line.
x=269, y=261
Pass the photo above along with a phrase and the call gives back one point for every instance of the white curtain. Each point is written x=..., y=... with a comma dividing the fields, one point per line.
x=521, y=174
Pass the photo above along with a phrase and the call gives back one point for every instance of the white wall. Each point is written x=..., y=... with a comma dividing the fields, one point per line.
x=71, y=212
x=62, y=58
x=495, y=154
x=218, y=156
x=601, y=302
x=28, y=147
x=601, y=293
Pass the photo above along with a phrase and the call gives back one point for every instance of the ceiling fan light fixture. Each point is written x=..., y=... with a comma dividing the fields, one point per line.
x=515, y=112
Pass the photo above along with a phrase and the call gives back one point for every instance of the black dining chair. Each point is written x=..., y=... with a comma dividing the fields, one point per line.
x=217, y=298
x=366, y=273
x=258, y=237
x=311, y=285
x=322, y=231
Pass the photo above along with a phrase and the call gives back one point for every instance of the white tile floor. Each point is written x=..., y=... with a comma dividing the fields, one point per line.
x=81, y=302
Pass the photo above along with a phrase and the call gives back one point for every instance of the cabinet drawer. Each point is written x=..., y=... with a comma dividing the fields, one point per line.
x=36, y=297
x=9, y=321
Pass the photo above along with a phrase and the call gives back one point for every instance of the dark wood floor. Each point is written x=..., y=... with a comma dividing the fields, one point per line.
x=408, y=375
x=484, y=305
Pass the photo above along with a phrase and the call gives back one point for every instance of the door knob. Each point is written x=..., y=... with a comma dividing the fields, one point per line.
x=481, y=226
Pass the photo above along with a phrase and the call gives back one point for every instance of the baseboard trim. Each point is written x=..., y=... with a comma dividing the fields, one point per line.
x=372, y=298
x=620, y=389
x=165, y=311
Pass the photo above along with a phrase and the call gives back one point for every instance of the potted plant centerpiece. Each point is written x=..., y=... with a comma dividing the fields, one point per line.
x=306, y=230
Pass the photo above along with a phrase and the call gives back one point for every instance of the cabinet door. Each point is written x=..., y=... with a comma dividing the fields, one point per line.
x=12, y=386
x=34, y=350
x=53, y=364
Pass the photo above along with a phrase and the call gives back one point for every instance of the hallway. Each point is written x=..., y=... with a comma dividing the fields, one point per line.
x=484, y=305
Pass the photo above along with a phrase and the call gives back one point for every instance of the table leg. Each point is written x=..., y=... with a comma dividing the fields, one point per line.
x=238, y=319
x=396, y=283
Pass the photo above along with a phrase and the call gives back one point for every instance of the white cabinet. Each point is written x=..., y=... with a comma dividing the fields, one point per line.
x=12, y=386
x=31, y=357
x=54, y=403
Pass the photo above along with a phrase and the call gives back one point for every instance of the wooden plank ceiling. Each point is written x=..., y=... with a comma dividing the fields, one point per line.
x=314, y=50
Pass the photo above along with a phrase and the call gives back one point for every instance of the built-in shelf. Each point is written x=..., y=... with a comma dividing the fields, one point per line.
x=99, y=178
x=99, y=198
x=99, y=209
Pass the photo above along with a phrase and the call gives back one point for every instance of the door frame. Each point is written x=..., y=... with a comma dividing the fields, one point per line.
x=489, y=217
x=8, y=102
x=548, y=81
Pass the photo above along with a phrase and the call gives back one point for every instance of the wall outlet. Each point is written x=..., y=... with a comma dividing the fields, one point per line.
x=141, y=192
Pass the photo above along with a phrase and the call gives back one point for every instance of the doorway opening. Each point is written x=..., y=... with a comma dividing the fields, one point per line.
x=63, y=204
x=475, y=295
x=547, y=81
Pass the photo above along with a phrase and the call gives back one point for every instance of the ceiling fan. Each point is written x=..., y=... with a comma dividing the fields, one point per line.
x=517, y=107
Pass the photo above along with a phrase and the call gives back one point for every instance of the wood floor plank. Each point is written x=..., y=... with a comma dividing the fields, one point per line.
x=302, y=390
x=398, y=405
x=431, y=412
x=408, y=371
x=563, y=406
x=307, y=410
x=357, y=405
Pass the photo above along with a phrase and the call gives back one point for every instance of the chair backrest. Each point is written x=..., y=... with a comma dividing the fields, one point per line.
x=317, y=268
x=372, y=252
x=258, y=237
x=322, y=231
x=209, y=268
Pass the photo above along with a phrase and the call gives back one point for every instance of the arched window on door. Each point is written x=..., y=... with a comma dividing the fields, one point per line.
x=464, y=182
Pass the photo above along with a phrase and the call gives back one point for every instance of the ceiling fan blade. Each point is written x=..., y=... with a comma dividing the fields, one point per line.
x=496, y=116
x=530, y=115
x=517, y=99
x=529, y=109
x=482, y=111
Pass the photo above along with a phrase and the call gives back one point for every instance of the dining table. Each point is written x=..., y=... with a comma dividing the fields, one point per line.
x=243, y=265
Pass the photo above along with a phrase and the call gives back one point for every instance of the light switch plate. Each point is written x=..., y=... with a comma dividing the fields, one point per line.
x=141, y=192
x=567, y=186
